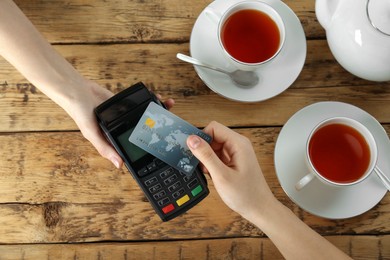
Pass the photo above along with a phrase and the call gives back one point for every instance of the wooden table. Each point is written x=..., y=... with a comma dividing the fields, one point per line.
x=60, y=199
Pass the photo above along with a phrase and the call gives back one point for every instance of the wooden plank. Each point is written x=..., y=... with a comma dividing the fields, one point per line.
x=360, y=247
x=54, y=187
x=58, y=222
x=81, y=21
x=39, y=113
x=24, y=108
x=117, y=65
x=237, y=248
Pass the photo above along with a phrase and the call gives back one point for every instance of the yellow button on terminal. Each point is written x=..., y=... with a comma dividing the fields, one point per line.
x=182, y=200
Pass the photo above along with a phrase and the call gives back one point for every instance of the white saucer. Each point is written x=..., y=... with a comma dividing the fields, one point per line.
x=318, y=198
x=275, y=77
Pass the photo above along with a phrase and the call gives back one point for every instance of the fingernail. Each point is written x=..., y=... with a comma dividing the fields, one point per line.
x=194, y=141
x=115, y=162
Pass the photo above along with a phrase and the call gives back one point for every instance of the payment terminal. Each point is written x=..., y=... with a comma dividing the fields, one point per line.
x=170, y=191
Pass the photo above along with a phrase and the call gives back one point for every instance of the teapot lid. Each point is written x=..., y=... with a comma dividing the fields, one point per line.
x=378, y=12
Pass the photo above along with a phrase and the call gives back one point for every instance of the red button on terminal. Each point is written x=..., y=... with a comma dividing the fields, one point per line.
x=168, y=208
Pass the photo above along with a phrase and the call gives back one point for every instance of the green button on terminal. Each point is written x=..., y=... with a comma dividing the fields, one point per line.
x=197, y=190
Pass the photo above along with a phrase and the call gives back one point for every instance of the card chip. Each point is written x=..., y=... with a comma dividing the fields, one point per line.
x=150, y=122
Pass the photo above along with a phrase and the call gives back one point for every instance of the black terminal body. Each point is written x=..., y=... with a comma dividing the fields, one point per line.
x=170, y=191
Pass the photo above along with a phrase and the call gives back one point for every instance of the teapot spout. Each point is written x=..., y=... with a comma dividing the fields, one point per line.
x=325, y=9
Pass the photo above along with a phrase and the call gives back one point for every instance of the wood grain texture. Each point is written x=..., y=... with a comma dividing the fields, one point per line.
x=91, y=21
x=24, y=108
x=364, y=248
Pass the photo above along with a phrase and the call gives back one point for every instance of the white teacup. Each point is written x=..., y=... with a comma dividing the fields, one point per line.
x=340, y=152
x=256, y=45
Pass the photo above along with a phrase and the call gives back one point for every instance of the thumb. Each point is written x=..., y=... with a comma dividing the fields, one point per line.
x=103, y=147
x=203, y=151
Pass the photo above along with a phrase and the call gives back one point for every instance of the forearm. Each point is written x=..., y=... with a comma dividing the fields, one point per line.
x=293, y=238
x=27, y=50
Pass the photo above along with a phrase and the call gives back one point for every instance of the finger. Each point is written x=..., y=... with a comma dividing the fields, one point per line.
x=203, y=151
x=110, y=153
x=169, y=103
x=220, y=133
x=104, y=148
x=203, y=168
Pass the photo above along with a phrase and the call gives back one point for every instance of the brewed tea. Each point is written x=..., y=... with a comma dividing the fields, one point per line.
x=250, y=36
x=339, y=153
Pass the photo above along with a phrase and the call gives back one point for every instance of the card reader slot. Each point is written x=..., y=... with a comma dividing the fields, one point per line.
x=128, y=117
x=124, y=102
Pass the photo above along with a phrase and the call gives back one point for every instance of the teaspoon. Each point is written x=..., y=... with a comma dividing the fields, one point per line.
x=241, y=77
x=385, y=180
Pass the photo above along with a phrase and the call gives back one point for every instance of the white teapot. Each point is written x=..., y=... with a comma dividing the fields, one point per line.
x=358, y=34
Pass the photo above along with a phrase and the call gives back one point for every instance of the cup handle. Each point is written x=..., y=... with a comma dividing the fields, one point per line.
x=304, y=181
x=213, y=16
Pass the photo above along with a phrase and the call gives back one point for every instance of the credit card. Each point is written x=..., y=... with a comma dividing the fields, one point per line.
x=164, y=135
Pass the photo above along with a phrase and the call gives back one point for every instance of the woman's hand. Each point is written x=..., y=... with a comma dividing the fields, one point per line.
x=232, y=164
x=84, y=100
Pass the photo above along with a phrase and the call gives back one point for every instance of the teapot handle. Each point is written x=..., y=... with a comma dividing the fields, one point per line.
x=325, y=9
